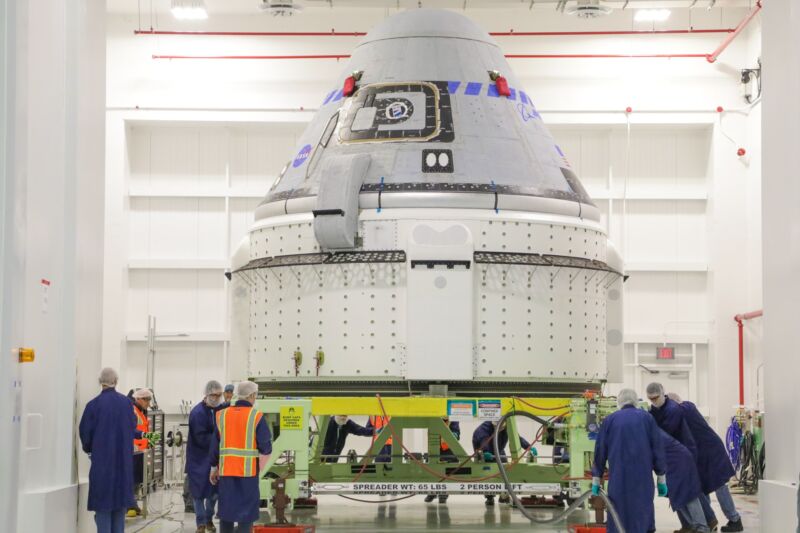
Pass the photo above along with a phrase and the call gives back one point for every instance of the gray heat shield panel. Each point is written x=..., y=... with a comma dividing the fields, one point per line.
x=336, y=214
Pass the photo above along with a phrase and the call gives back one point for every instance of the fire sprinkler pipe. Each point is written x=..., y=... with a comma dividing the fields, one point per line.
x=711, y=58
x=605, y=56
x=510, y=33
x=331, y=33
x=311, y=56
x=509, y=56
x=729, y=39
x=740, y=323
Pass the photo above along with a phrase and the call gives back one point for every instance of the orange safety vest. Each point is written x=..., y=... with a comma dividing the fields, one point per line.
x=238, y=451
x=378, y=422
x=143, y=425
x=443, y=446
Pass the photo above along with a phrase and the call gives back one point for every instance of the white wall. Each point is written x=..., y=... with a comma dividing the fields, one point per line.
x=688, y=195
x=52, y=252
x=781, y=234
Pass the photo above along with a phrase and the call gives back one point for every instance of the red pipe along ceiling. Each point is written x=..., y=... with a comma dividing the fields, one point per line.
x=711, y=58
x=740, y=324
x=334, y=33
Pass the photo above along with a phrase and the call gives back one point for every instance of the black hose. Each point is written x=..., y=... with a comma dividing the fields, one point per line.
x=751, y=464
x=612, y=512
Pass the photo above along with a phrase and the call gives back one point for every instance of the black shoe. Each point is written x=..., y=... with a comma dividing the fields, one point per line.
x=489, y=501
x=429, y=498
x=443, y=498
x=712, y=526
x=505, y=498
x=733, y=526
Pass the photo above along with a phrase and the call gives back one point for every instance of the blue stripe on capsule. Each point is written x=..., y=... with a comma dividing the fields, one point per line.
x=328, y=98
x=473, y=88
x=493, y=91
x=452, y=86
x=524, y=98
x=338, y=96
x=513, y=95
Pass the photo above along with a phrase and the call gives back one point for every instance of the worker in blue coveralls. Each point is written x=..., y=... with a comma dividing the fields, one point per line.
x=683, y=485
x=483, y=444
x=240, y=453
x=446, y=455
x=202, y=426
x=339, y=427
x=107, y=429
x=227, y=395
x=683, y=421
x=629, y=441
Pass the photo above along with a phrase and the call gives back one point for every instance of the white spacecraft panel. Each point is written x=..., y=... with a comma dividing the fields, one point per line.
x=440, y=301
x=390, y=321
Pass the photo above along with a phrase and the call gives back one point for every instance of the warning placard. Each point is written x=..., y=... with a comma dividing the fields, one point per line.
x=462, y=410
x=489, y=410
x=291, y=417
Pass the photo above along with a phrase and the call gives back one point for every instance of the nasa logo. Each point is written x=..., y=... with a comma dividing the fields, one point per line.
x=302, y=155
x=397, y=110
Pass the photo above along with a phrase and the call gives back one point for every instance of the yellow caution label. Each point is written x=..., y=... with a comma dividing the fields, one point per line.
x=291, y=417
x=26, y=355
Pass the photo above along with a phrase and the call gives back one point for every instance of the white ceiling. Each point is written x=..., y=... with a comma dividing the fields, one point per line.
x=236, y=7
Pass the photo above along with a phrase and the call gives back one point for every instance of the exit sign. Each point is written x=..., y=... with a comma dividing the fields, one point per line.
x=665, y=352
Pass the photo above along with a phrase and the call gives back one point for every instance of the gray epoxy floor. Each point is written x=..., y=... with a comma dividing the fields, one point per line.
x=466, y=514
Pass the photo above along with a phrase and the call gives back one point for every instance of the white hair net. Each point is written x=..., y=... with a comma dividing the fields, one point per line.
x=142, y=394
x=108, y=377
x=245, y=389
x=212, y=387
x=627, y=397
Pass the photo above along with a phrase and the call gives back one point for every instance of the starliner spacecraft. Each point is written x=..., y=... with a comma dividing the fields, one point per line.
x=427, y=230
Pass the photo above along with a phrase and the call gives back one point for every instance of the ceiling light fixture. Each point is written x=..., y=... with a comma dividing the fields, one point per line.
x=189, y=9
x=651, y=15
x=280, y=8
x=586, y=9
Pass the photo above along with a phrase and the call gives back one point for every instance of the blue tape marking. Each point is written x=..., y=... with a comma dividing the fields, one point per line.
x=379, y=195
x=524, y=98
x=513, y=95
x=494, y=188
x=559, y=151
x=328, y=98
x=473, y=88
x=339, y=95
x=452, y=86
x=493, y=91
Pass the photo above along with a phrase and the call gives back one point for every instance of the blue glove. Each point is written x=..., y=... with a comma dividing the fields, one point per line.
x=488, y=457
x=662, y=487
x=595, y=486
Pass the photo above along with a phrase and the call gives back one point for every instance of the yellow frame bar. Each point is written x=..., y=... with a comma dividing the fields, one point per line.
x=419, y=406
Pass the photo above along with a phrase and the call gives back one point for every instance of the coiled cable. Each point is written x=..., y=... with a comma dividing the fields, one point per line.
x=733, y=442
x=612, y=512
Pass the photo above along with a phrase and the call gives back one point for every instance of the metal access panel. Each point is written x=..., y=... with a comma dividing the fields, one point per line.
x=440, y=302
